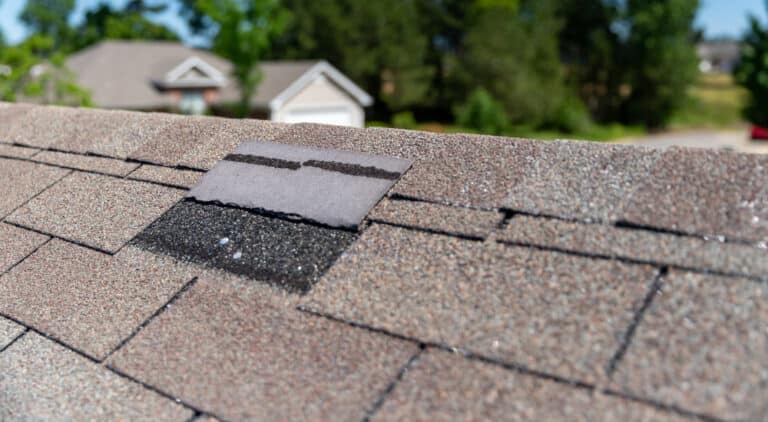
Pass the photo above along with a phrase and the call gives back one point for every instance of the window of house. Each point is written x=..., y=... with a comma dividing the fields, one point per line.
x=192, y=102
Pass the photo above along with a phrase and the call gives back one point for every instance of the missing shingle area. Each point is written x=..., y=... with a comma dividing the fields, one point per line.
x=292, y=255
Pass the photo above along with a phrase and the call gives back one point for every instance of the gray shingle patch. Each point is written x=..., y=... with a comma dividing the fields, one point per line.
x=641, y=245
x=334, y=188
x=288, y=254
x=702, y=346
x=706, y=192
x=547, y=311
x=41, y=380
x=243, y=352
x=580, y=180
x=445, y=387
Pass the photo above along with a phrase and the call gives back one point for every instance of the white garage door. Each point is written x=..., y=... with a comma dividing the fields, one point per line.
x=330, y=116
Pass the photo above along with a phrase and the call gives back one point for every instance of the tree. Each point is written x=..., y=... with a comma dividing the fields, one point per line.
x=511, y=50
x=128, y=23
x=33, y=72
x=752, y=72
x=244, y=31
x=49, y=18
x=377, y=44
x=661, y=58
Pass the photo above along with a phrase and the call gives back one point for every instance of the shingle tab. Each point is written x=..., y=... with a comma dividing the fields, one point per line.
x=706, y=192
x=167, y=176
x=288, y=254
x=89, y=127
x=88, y=163
x=137, y=130
x=17, y=151
x=702, y=346
x=641, y=245
x=9, y=331
x=334, y=188
x=242, y=352
x=444, y=387
x=99, y=211
x=41, y=380
x=87, y=299
x=41, y=127
x=548, y=311
x=16, y=244
x=581, y=179
x=22, y=181
x=436, y=217
x=189, y=141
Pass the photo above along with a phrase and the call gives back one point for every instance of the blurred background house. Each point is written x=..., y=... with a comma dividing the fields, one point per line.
x=718, y=56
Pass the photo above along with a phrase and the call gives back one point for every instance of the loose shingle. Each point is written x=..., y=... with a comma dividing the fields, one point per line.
x=22, y=181
x=288, y=254
x=16, y=244
x=17, y=151
x=9, y=331
x=442, y=218
x=580, y=179
x=445, y=387
x=334, y=188
x=83, y=162
x=99, y=211
x=41, y=380
x=167, y=176
x=706, y=192
x=189, y=141
x=702, y=346
x=137, y=130
x=242, y=352
x=87, y=299
x=641, y=245
x=548, y=311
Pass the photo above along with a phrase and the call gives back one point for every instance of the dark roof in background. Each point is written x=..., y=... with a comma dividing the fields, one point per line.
x=498, y=278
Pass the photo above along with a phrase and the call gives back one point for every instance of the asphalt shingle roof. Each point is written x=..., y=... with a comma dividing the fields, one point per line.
x=498, y=278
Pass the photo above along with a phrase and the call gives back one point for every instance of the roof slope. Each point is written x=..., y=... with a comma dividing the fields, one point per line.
x=120, y=74
x=497, y=279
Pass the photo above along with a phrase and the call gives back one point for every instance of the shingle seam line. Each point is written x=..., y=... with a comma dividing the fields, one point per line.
x=51, y=338
x=5, y=217
x=384, y=395
x=188, y=285
x=15, y=264
x=626, y=339
x=521, y=369
x=64, y=239
x=14, y=340
x=457, y=235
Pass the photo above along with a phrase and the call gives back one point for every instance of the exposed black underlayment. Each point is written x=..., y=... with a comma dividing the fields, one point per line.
x=353, y=169
x=263, y=161
x=286, y=254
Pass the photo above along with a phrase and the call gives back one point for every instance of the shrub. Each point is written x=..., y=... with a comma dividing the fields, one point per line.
x=752, y=73
x=483, y=113
x=404, y=120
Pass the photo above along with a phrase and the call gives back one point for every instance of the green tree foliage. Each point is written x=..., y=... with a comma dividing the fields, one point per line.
x=483, y=113
x=49, y=18
x=33, y=72
x=130, y=22
x=511, y=50
x=661, y=58
x=376, y=43
x=752, y=72
x=244, y=31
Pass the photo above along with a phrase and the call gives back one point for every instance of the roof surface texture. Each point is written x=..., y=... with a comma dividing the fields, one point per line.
x=496, y=279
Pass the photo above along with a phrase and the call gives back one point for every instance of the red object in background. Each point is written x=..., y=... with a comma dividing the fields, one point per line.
x=760, y=133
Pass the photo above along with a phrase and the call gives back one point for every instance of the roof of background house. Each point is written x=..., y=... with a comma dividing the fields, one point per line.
x=124, y=74
x=498, y=278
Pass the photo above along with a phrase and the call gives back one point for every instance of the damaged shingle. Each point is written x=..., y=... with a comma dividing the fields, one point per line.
x=288, y=254
x=334, y=188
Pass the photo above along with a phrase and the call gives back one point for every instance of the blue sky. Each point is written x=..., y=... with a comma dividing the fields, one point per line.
x=717, y=17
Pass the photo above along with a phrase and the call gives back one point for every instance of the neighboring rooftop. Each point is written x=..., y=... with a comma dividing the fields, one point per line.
x=494, y=278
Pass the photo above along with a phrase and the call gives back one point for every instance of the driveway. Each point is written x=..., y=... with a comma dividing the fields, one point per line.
x=736, y=140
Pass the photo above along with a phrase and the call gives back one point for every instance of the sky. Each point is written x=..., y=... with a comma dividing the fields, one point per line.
x=718, y=18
